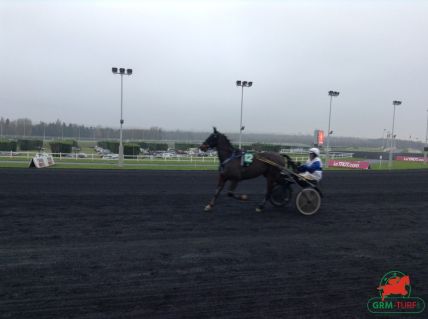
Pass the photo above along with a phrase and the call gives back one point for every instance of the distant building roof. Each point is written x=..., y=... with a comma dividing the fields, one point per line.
x=296, y=145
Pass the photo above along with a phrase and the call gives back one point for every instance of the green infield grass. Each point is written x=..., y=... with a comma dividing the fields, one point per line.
x=170, y=164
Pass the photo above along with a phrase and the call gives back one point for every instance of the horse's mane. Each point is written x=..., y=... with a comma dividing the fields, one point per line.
x=226, y=139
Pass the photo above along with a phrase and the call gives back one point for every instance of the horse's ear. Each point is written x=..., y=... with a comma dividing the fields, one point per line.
x=215, y=130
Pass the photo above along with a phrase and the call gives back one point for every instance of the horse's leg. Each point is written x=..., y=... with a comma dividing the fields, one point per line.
x=231, y=192
x=221, y=181
x=270, y=181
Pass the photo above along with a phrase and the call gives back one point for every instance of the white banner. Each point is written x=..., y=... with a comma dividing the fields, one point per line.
x=410, y=158
x=349, y=164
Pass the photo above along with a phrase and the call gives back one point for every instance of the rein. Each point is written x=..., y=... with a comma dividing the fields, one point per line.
x=235, y=154
x=268, y=161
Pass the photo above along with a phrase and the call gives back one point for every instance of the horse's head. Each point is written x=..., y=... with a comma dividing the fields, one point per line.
x=211, y=141
x=405, y=280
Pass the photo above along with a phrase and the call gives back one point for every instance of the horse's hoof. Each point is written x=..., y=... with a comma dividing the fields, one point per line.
x=259, y=210
x=243, y=197
x=208, y=208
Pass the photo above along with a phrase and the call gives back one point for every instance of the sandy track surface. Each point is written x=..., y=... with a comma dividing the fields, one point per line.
x=137, y=244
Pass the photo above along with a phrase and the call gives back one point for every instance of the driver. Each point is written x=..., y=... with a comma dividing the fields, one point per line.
x=312, y=169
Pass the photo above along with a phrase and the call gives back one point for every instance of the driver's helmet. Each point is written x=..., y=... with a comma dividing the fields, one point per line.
x=314, y=151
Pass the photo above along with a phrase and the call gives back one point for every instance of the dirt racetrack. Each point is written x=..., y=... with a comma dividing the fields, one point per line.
x=137, y=244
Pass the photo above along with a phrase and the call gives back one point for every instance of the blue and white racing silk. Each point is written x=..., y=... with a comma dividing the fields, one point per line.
x=311, y=169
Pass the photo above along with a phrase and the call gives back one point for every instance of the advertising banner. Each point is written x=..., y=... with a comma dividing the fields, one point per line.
x=318, y=137
x=349, y=164
x=409, y=159
x=42, y=160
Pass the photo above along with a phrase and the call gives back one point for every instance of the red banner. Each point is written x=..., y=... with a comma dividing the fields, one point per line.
x=320, y=137
x=349, y=164
x=409, y=159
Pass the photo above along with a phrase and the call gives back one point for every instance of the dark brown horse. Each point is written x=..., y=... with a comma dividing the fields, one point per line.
x=231, y=168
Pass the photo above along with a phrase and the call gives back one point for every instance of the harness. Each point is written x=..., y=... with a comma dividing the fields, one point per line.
x=236, y=154
x=247, y=158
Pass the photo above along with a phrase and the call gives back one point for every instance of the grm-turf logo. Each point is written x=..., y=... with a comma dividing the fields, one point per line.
x=395, y=296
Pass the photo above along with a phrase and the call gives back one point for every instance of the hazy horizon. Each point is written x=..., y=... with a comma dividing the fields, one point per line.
x=133, y=133
x=186, y=56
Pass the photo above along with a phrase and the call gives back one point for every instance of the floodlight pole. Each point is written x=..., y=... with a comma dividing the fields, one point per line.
x=383, y=139
x=426, y=132
x=241, y=128
x=121, y=123
x=121, y=72
x=240, y=122
x=327, y=153
x=426, y=142
x=394, y=103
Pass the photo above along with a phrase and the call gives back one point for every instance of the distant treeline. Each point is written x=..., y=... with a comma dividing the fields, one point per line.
x=61, y=130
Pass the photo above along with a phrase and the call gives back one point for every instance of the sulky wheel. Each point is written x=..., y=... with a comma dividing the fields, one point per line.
x=308, y=201
x=281, y=195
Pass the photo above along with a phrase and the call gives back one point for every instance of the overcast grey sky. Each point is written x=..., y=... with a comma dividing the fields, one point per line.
x=56, y=59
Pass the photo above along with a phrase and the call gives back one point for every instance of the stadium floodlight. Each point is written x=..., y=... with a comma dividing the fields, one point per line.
x=329, y=131
x=391, y=146
x=241, y=127
x=121, y=73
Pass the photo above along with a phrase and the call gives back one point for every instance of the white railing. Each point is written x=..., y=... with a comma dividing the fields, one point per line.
x=158, y=158
x=334, y=155
x=98, y=157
